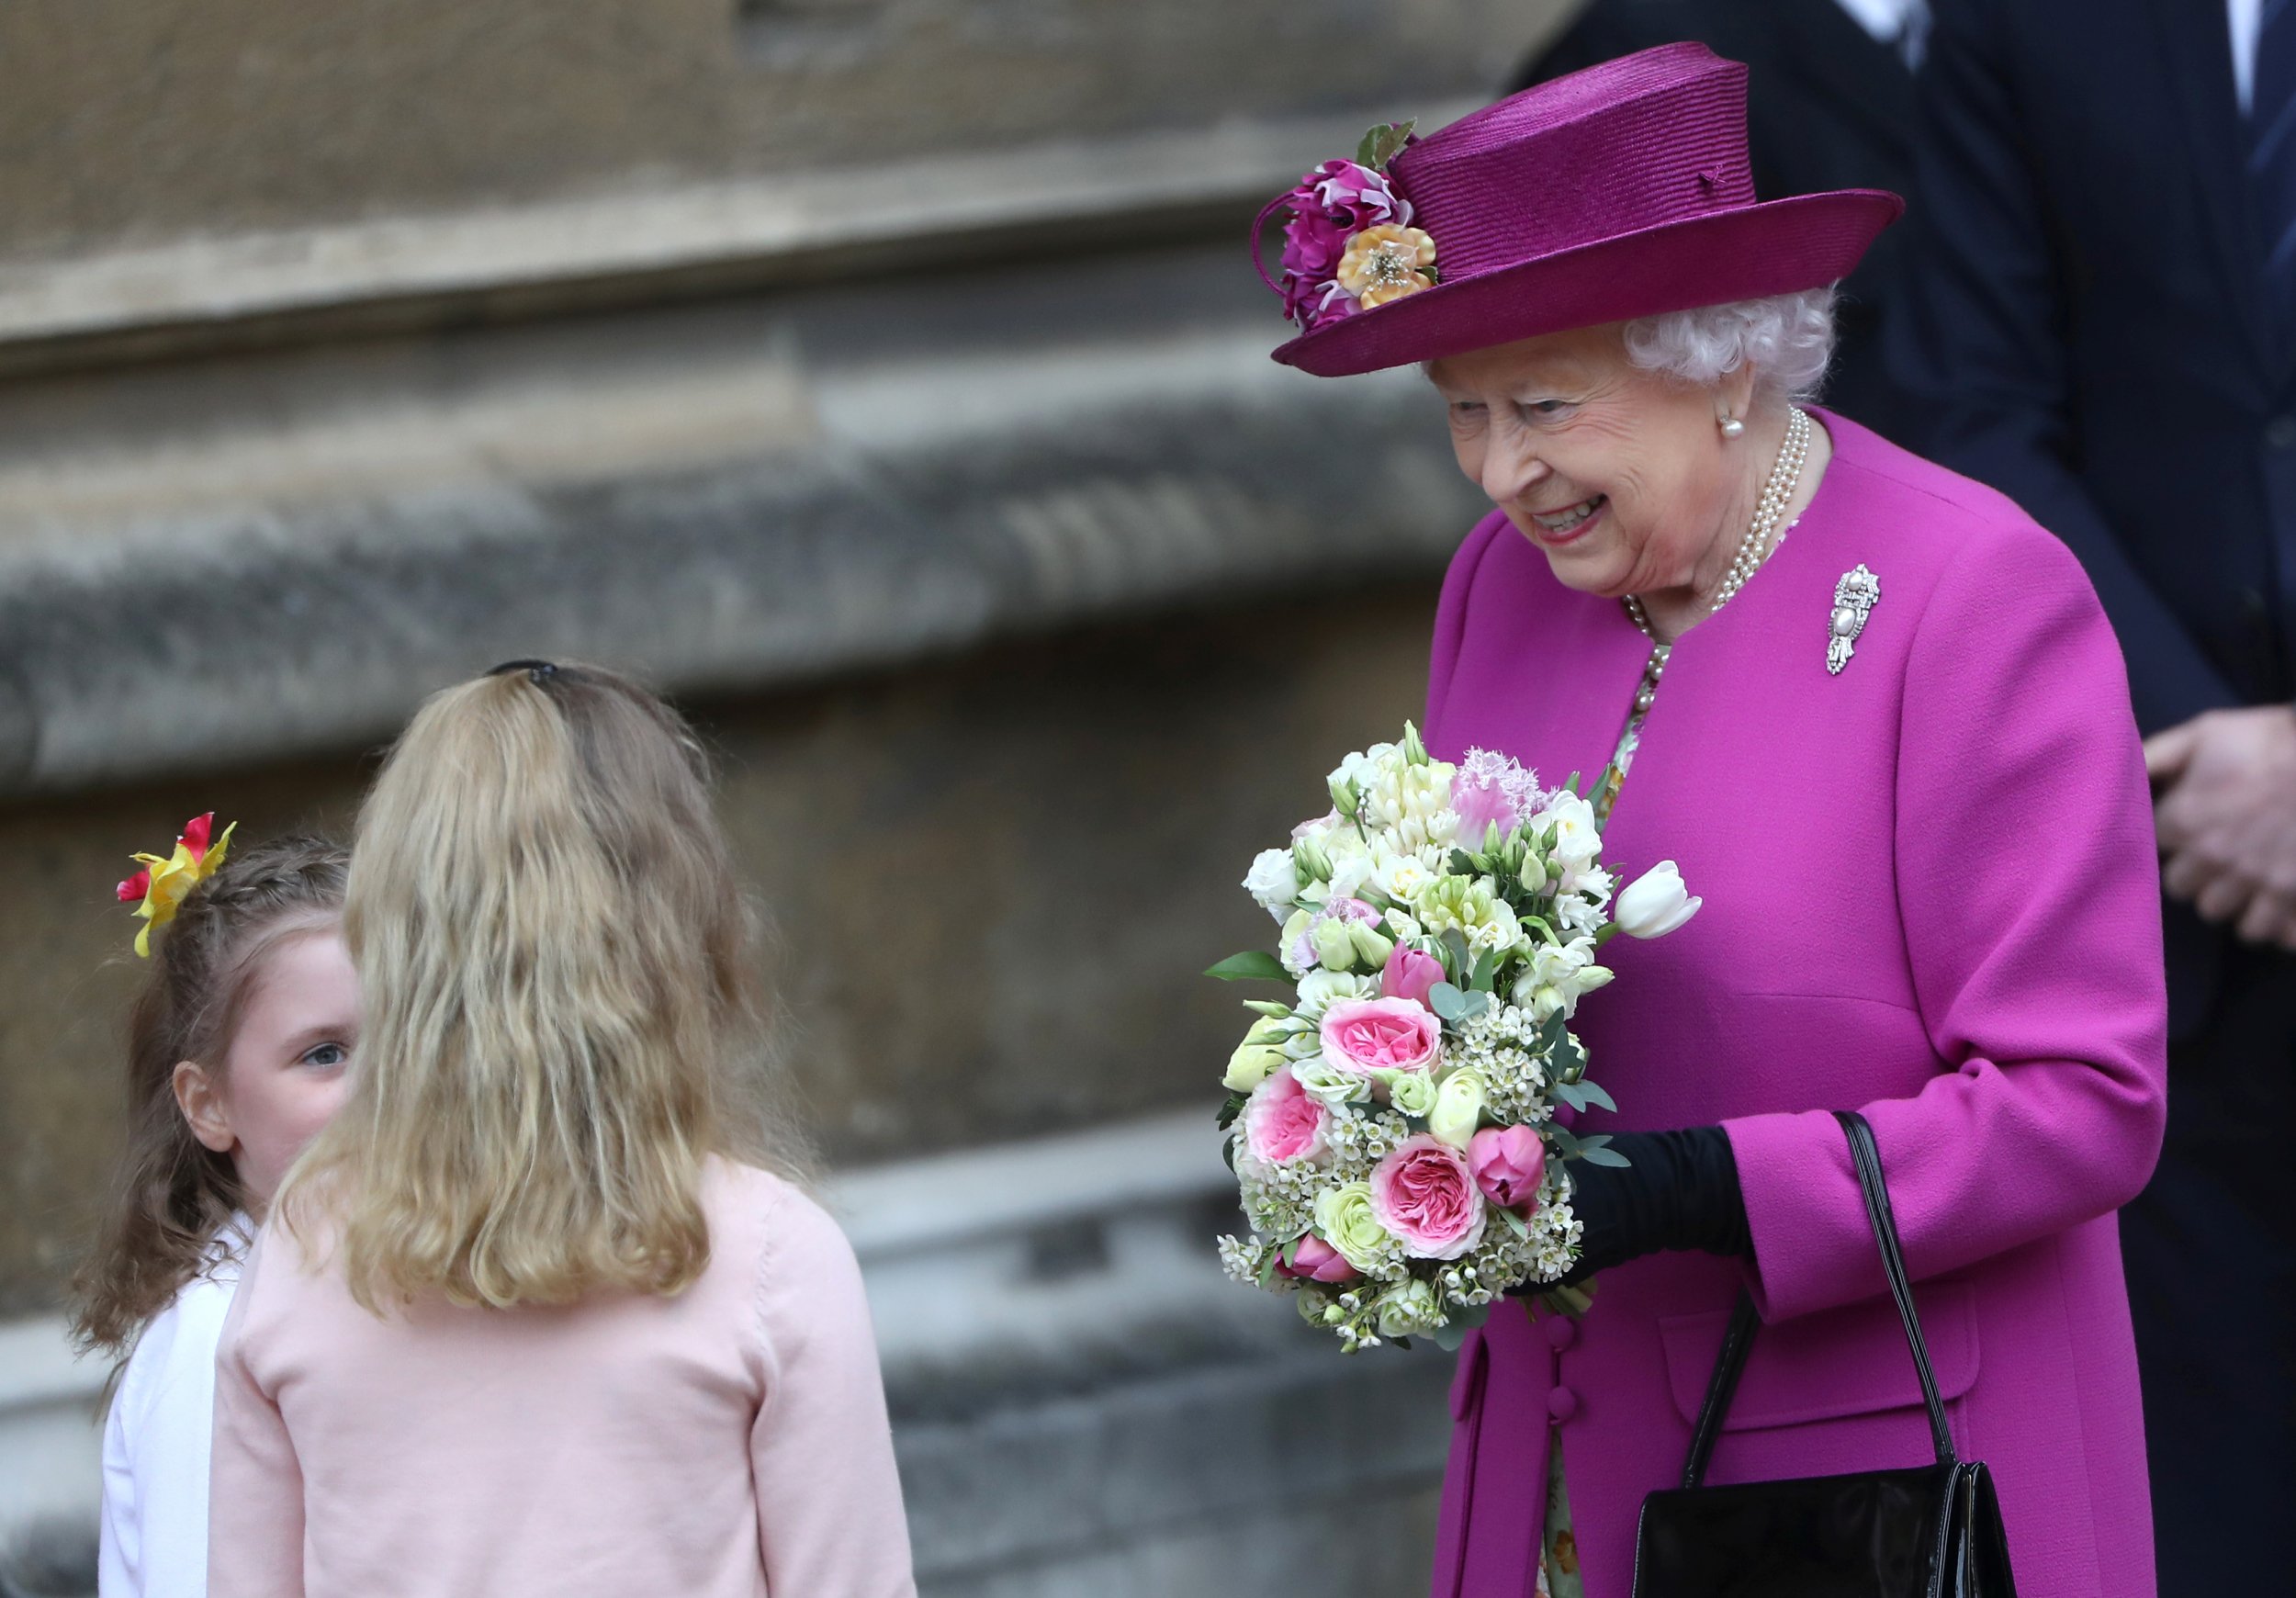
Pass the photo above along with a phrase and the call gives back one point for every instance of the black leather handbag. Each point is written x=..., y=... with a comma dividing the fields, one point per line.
x=1932, y=1531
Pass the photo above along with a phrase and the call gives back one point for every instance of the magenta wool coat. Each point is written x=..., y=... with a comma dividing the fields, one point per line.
x=1931, y=894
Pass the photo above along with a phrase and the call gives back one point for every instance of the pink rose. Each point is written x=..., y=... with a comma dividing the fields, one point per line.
x=1317, y=1261
x=1509, y=1162
x=1410, y=975
x=1381, y=1034
x=1424, y=1193
x=1283, y=1122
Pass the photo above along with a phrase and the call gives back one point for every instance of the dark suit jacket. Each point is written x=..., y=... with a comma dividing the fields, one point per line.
x=1827, y=107
x=2084, y=327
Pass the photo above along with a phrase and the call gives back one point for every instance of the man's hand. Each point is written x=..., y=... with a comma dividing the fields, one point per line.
x=2226, y=813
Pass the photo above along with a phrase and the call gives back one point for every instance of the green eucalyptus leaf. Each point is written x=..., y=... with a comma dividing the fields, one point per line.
x=1460, y=961
x=1569, y=1094
x=1551, y=1036
x=1447, y=1001
x=1515, y=1224
x=1484, y=968
x=1256, y=965
x=1604, y=1157
x=1593, y=1095
x=1565, y=1141
x=1381, y=145
x=1473, y=1005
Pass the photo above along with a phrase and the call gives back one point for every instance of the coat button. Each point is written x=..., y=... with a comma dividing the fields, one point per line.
x=1562, y=1331
x=1562, y=1404
x=2281, y=433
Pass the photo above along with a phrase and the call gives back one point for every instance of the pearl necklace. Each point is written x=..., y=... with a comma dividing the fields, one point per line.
x=1785, y=476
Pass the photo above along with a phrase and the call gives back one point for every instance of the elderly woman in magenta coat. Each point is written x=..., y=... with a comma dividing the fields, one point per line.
x=1876, y=714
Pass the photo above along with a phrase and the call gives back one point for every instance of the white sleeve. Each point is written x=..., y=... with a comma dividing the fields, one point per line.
x=119, y=1548
x=165, y=1441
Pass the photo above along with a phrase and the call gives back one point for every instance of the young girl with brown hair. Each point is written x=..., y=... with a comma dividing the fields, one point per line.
x=537, y=1314
x=237, y=1051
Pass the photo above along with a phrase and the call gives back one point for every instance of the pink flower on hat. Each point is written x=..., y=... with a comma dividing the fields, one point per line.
x=1330, y=208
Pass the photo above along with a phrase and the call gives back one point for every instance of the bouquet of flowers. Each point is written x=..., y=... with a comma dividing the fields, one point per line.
x=1392, y=1127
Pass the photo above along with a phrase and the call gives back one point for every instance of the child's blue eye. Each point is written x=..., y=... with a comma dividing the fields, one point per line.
x=327, y=1055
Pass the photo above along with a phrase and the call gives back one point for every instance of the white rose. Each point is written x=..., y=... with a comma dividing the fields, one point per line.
x=1655, y=903
x=1458, y=1108
x=1274, y=882
x=1334, y=1085
x=1319, y=990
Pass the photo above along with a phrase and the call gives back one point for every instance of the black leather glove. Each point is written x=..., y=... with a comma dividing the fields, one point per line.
x=1679, y=1191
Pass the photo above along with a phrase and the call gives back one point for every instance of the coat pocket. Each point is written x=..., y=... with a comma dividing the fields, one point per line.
x=1829, y=1364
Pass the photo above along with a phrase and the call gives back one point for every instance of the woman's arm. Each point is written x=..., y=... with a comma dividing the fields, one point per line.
x=254, y=1481
x=2026, y=877
x=829, y=1515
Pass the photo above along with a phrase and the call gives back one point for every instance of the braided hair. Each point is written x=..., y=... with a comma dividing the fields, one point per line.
x=172, y=1195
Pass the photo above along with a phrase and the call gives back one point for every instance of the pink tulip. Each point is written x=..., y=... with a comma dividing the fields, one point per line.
x=1410, y=975
x=1317, y=1261
x=1509, y=1162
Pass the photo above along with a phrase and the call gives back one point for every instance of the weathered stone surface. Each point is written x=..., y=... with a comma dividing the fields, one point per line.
x=250, y=561
x=132, y=120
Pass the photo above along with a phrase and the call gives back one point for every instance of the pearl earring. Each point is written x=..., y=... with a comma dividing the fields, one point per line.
x=1731, y=427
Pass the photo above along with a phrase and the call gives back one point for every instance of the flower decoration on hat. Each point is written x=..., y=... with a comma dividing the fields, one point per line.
x=1350, y=244
x=159, y=889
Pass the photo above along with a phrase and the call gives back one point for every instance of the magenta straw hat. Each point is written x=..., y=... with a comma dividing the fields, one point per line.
x=1616, y=192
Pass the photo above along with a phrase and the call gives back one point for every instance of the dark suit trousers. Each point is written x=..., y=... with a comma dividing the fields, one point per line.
x=2211, y=1249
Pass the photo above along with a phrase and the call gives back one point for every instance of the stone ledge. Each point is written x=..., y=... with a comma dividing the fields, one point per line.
x=799, y=228
x=269, y=558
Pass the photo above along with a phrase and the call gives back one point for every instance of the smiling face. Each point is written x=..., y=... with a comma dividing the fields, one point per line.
x=1620, y=475
x=285, y=1068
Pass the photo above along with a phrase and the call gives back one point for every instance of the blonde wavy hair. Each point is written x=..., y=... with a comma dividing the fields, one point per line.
x=562, y=1018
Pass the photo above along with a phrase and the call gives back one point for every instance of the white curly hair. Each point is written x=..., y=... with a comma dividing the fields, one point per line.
x=1788, y=339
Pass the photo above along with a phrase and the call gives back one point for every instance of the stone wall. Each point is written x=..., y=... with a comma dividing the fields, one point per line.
x=130, y=120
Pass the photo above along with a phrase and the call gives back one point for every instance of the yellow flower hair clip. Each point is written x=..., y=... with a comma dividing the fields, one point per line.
x=162, y=887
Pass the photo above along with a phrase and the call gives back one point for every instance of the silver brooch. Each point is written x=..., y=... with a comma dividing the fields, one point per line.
x=1854, y=596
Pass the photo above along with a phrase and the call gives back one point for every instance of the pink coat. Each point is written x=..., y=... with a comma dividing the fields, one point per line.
x=1930, y=894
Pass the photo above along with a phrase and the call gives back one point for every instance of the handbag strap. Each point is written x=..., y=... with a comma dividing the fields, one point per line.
x=1737, y=1340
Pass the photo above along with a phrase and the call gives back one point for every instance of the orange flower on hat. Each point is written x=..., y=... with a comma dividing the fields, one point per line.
x=1386, y=263
x=159, y=888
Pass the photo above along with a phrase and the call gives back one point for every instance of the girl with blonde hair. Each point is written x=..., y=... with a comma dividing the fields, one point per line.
x=543, y=1310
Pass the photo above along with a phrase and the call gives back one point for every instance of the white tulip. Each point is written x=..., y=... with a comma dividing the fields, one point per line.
x=1655, y=904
